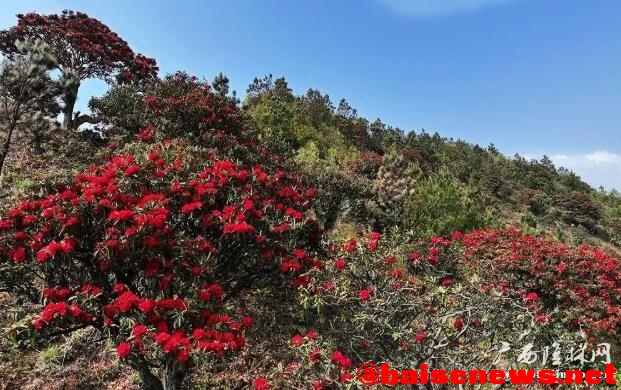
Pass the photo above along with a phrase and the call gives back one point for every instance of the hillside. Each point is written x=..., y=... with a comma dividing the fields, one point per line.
x=151, y=250
x=372, y=162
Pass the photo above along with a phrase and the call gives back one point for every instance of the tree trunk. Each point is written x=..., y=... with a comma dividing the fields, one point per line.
x=70, y=97
x=7, y=143
x=172, y=375
x=149, y=380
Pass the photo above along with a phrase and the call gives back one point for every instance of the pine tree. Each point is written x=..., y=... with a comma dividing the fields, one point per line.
x=28, y=96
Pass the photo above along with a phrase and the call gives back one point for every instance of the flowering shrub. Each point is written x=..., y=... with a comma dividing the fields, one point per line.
x=578, y=208
x=451, y=302
x=183, y=106
x=377, y=301
x=366, y=165
x=578, y=288
x=179, y=105
x=152, y=249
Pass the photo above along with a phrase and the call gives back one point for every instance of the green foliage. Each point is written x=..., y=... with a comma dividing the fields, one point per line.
x=28, y=96
x=337, y=187
x=272, y=120
x=538, y=202
x=441, y=205
x=122, y=108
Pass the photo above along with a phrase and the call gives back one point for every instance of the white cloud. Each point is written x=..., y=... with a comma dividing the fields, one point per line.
x=598, y=168
x=602, y=156
x=430, y=8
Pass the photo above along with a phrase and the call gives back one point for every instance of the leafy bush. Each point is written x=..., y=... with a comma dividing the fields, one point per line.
x=538, y=202
x=122, y=110
x=578, y=288
x=578, y=208
x=440, y=205
x=337, y=188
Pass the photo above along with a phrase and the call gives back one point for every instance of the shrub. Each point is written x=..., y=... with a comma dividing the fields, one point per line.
x=440, y=205
x=122, y=110
x=578, y=208
x=538, y=202
x=183, y=106
x=152, y=250
x=578, y=288
x=450, y=302
x=366, y=164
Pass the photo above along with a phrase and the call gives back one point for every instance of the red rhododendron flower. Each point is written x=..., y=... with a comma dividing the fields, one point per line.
x=151, y=242
x=457, y=235
x=282, y=227
x=339, y=358
x=121, y=215
x=247, y=321
x=458, y=323
x=350, y=246
x=241, y=227
x=345, y=377
x=182, y=356
x=139, y=330
x=18, y=255
x=301, y=281
x=261, y=383
x=340, y=264
x=541, y=318
x=126, y=301
x=420, y=337
x=314, y=355
x=365, y=295
x=123, y=350
x=290, y=265
x=414, y=256
x=131, y=170
x=43, y=256
x=189, y=207
x=397, y=273
x=390, y=260
x=374, y=236
x=297, y=340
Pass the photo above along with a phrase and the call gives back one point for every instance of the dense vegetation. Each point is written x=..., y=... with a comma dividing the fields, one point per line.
x=275, y=242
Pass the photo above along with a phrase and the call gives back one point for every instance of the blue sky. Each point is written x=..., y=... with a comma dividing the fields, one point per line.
x=531, y=76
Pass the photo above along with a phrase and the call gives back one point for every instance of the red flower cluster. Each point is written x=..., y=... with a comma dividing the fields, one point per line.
x=339, y=358
x=163, y=255
x=95, y=50
x=59, y=310
x=187, y=107
x=583, y=284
